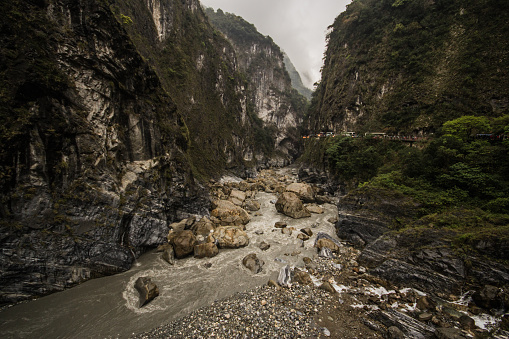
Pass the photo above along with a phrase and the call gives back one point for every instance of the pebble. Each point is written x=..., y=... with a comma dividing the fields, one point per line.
x=326, y=332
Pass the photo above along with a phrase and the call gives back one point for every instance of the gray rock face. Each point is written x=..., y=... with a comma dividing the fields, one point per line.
x=410, y=327
x=422, y=259
x=270, y=85
x=359, y=230
x=285, y=276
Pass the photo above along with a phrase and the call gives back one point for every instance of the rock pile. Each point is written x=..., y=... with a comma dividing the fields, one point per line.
x=333, y=293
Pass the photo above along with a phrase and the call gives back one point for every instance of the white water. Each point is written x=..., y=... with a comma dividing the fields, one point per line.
x=107, y=307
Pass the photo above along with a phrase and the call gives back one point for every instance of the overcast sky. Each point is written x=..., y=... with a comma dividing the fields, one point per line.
x=297, y=26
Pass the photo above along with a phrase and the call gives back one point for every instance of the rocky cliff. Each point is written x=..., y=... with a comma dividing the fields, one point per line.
x=424, y=257
x=271, y=96
x=295, y=77
x=102, y=136
x=199, y=69
x=409, y=66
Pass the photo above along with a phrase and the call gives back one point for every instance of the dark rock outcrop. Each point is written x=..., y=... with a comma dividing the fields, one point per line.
x=420, y=257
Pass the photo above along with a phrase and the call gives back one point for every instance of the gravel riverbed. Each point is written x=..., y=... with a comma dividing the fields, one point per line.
x=299, y=311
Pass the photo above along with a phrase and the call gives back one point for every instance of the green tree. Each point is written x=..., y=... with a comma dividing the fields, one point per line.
x=466, y=126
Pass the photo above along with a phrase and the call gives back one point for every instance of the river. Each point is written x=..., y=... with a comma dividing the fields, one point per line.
x=107, y=307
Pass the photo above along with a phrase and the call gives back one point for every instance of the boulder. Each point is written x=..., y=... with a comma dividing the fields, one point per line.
x=449, y=333
x=302, y=277
x=237, y=197
x=229, y=214
x=327, y=286
x=163, y=247
x=395, y=333
x=252, y=205
x=280, y=224
x=307, y=231
x=146, y=289
x=303, y=191
x=183, y=224
x=467, y=323
x=272, y=283
x=168, y=254
x=488, y=297
x=203, y=227
x=206, y=250
x=253, y=263
x=313, y=208
x=326, y=252
x=289, y=204
x=230, y=237
x=322, y=199
x=285, y=276
x=303, y=237
x=325, y=240
x=425, y=303
x=321, y=243
x=264, y=246
x=286, y=230
x=183, y=243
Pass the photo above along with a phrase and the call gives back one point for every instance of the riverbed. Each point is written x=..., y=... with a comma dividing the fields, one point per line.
x=108, y=307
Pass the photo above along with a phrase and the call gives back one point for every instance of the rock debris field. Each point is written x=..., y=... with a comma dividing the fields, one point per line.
x=320, y=291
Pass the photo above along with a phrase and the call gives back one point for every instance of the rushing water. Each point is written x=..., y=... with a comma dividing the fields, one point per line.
x=107, y=307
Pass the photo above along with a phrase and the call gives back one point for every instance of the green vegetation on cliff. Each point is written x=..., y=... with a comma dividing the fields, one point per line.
x=458, y=180
x=410, y=66
x=437, y=70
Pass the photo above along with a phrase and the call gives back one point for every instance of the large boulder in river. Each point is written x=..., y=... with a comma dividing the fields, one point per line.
x=205, y=250
x=168, y=254
x=230, y=237
x=303, y=191
x=146, y=289
x=183, y=243
x=253, y=263
x=289, y=204
x=229, y=214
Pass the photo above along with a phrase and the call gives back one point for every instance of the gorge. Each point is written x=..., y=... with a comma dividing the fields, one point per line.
x=126, y=125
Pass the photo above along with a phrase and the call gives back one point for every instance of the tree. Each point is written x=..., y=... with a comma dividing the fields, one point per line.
x=466, y=126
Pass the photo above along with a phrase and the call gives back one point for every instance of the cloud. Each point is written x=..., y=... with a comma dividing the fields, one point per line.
x=297, y=26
